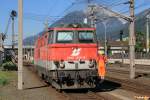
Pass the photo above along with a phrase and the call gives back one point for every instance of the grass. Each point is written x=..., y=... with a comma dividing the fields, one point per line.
x=6, y=77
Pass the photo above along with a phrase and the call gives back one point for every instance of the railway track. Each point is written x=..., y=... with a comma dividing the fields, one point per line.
x=138, y=73
x=93, y=95
x=83, y=96
x=77, y=94
x=90, y=95
x=132, y=86
x=140, y=69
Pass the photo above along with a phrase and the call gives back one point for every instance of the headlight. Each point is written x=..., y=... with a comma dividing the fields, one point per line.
x=62, y=64
x=91, y=63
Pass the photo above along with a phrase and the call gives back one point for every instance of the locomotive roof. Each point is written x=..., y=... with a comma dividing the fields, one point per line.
x=72, y=26
x=67, y=29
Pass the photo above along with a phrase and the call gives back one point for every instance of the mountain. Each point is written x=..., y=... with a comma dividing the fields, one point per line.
x=141, y=21
x=29, y=40
x=113, y=25
x=73, y=17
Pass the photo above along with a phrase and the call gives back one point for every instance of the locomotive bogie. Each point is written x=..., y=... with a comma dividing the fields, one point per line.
x=70, y=78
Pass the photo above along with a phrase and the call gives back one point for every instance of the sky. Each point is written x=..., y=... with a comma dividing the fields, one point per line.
x=36, y=12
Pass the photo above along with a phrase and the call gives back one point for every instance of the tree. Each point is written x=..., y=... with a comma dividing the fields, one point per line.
x=140, y=42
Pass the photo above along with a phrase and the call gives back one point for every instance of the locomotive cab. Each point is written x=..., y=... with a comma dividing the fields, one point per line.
x=70, y=58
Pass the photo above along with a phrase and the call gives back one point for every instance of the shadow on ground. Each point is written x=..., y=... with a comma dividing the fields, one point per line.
x=106, y=86
x=102, y=87
x=43, y=86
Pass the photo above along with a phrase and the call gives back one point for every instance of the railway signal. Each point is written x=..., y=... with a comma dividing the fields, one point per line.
x=121, y=35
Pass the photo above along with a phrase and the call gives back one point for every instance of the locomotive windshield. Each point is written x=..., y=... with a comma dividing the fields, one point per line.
x=86, y=37
x=64, y=37
x=75, y=36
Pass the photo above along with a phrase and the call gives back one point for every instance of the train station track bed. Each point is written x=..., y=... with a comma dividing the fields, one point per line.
x=37, y=89
x=141, y=83
x=132, y=86
x=108, y=90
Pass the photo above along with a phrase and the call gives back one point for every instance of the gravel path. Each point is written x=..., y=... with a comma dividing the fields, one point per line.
x=34, y=89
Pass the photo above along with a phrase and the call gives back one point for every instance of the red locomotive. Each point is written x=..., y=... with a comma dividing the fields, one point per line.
x=66, y=57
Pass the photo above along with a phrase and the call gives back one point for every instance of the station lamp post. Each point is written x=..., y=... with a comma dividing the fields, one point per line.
x=105, y=37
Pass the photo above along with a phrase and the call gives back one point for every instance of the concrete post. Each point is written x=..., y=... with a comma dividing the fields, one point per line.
x=20, y=42
x=132, y=41
x=147, y=34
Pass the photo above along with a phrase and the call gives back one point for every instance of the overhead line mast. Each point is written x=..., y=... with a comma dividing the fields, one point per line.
x=132, y=41
x=147, y=33
x=131, y=20
x=20, y=43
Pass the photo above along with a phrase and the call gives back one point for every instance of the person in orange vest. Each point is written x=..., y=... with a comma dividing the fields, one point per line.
x=102, y=59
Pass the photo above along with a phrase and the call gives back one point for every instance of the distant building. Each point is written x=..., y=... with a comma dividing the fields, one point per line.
x=115, y=46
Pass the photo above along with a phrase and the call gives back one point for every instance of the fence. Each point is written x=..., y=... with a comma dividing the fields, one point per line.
x=140, y=58
x=138, y=55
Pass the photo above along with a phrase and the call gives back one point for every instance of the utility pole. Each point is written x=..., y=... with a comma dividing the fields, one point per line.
x=131, y=19
x=132, y=41
x=147, y=33
x=20, y=42
x=105, y=37
x=46, y=25
x=92, y=9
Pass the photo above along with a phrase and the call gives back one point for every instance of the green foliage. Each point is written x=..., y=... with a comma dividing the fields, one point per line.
x=9, y=66
x=3, y=82
x=32, y=62
x=4, y=77
x=7, y=76
x=140, y=42
x=8, y=58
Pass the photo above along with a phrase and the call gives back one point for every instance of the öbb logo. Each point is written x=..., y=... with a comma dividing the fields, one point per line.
x=76, y=52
